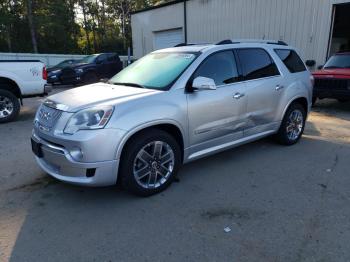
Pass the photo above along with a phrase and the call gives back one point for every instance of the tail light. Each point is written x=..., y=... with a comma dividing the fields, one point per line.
x=44, y=73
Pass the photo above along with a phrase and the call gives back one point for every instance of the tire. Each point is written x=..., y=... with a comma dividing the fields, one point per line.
x=9, y=106
x=296, y=127
x=90, y=78
x=143, y=174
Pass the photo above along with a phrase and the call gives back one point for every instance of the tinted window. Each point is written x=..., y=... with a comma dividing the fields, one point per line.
x=113, y=57
x=256, y=63
x=291, y=60
x=102, y=58
x=221, y=67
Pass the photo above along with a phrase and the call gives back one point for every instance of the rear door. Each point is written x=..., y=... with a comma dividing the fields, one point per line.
x=217, y=116
x=264, y=88
x=102, y=66
x=114, y=64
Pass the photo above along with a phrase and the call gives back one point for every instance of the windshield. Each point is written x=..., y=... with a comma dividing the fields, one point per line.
x=156, y=70
x=88, y=59
x=338, y=61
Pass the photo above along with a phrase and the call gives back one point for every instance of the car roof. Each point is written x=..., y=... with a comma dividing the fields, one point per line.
x=208, y=47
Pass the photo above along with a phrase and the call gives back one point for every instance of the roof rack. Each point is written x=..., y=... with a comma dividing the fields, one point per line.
x=190, y=44
x=238, y=41
x=183, y=44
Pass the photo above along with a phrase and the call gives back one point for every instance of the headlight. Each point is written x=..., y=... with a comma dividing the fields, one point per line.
x=79, y=70
x=91, y=118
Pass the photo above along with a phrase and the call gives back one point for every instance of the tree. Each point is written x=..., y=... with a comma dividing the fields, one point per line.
x=68, y=26
x=31, y=25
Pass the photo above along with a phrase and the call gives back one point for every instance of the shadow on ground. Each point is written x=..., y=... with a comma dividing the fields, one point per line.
x=281, y=203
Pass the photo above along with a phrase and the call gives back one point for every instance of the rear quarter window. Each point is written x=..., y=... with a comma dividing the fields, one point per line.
x=291, y=60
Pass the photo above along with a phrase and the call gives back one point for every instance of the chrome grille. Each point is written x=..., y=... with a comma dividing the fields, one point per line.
x=47, y=116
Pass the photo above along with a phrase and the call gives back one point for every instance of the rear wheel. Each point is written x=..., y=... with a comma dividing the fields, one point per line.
x=9, y=106
x=292, y=126
x=150, y=162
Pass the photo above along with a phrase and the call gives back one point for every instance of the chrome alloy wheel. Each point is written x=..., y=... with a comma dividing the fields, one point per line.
x=154, y=164
x=295, y=124
x=6, y=107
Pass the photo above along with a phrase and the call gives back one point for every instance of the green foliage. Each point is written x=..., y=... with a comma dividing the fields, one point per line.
x=68, y=26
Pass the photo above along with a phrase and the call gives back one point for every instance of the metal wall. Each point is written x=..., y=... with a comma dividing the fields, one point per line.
x=146, y=24
x=304, y=24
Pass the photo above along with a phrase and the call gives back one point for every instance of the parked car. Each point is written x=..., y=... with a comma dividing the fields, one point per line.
x=89, y=70
x=54, y=72
x=171, y=107
x=20, y=79
x=333, y=79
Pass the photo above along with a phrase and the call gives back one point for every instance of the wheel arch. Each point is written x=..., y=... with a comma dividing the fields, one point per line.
x=301, y=100
x=11, y=86
x=171, y=127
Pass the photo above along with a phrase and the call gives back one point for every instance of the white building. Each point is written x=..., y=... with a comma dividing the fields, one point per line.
x=317, y=28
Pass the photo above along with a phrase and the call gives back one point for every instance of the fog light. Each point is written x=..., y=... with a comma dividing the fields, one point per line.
x=76, y=153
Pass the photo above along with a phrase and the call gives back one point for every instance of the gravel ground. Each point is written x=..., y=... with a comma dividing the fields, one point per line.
x=277, y=204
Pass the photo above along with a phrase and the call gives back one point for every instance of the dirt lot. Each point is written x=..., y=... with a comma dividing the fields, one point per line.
x=281, y=204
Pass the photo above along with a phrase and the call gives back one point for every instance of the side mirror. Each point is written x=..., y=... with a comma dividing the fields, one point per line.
x=203, y=83
x=320, y=67
x=310, y=63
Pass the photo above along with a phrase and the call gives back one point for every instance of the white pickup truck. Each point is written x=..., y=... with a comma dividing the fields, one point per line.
x=20, y=79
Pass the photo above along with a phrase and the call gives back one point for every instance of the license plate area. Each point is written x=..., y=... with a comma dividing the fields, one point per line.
x=36, y=148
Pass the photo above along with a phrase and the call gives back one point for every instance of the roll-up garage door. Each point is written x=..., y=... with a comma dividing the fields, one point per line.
x=168, y=38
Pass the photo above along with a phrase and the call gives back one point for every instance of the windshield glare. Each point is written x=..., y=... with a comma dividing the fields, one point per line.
x=156, y=70
x=338, y=61
x=88, y=59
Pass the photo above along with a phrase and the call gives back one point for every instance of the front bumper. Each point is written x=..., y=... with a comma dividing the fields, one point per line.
x=331, y=93
x=57, y=161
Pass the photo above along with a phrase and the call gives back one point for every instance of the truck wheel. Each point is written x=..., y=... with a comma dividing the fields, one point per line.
x=90, y=78
x=292, y=126
x=9, y=106
x=150, y=162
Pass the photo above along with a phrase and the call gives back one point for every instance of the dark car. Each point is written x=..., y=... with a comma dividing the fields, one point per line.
x=91, y=69
x=54, y=72
x=333, y=79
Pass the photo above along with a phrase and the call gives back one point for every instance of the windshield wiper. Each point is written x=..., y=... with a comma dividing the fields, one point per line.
x=128, y=84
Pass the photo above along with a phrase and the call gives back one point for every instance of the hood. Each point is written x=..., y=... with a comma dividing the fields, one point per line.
x=50, y=69
x=334, y=72
x=82, y=97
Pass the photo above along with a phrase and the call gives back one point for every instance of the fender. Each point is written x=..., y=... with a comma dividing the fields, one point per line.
x=12, y=77
x=292, y=100
x=147, y=125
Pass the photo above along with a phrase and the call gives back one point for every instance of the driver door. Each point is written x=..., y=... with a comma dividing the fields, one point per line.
x=217, y=116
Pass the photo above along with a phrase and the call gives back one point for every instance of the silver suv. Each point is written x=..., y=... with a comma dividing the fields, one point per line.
x=171, y=107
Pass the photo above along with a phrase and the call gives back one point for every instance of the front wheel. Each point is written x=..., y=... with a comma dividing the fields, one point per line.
x=292, y=126
x=9, y=106
x=150, y=162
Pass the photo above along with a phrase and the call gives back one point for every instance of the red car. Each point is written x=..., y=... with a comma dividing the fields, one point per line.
x=333, y=79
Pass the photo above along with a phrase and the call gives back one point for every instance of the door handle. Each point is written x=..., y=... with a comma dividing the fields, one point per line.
x=279, y=87
x=238, y=95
